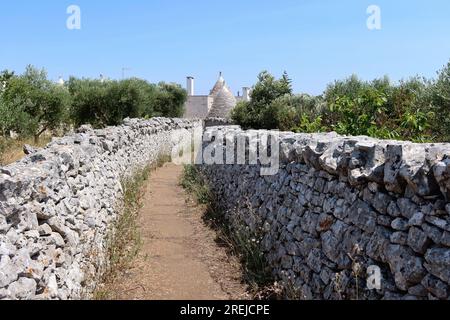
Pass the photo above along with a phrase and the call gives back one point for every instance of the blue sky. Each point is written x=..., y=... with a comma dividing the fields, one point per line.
x=315, y=41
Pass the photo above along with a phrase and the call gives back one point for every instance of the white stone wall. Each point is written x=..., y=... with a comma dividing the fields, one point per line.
x=58, y=205
x=341, y=205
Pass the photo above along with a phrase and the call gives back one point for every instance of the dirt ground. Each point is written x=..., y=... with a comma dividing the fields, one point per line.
x=180, y=259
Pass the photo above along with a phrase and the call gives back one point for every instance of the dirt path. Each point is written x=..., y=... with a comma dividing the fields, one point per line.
x=179, y=258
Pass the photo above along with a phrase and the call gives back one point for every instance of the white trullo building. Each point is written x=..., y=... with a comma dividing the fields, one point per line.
x=218, y=104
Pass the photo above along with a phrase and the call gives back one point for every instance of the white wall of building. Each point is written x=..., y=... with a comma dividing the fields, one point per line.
x=198, y=106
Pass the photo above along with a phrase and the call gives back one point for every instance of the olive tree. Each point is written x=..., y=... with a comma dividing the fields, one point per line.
x=31, y=104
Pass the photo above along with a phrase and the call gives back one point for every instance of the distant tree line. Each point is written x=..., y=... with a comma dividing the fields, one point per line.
x=31, y=104
x=416, y=109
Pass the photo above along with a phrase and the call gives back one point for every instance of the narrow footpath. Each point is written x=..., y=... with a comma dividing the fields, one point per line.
x=179, y=259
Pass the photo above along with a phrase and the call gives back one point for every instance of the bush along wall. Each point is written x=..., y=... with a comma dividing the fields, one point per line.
x=340, y=207
x=58, y=205
x=31, y=104
x=415, y=109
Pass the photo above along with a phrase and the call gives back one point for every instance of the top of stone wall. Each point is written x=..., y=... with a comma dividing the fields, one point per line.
x=64, y=157
x=401, y=167
x=214, y=122
x=86, y=135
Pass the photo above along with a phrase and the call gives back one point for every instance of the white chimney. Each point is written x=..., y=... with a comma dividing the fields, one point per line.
x=190, y=86
x=246, y=93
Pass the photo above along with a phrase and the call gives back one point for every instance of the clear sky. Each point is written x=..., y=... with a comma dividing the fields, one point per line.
x=315, y=41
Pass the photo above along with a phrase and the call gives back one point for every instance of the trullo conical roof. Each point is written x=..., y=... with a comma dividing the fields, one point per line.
x=223, y=103
x=218, y=86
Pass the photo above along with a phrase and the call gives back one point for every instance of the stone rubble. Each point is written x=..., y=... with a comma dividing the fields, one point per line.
x=340, y=204
x=58, y=204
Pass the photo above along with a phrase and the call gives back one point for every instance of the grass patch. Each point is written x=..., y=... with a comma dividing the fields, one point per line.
x=124, y=241
x=194, y=184
x=11, y=150
x=237, y=238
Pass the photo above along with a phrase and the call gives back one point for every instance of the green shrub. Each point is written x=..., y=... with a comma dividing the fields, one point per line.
x=193, y=182
x=350, y=88
x=169, y=100
x=257, y=113
x=380, y=109
x=411, y=110
x=14, y=118
x=108, y=103
x=440, y=97
x=31, y=104
x=273, y=106
x=103, y=103
x=292, y=112
x=308, y=125
x=416, y=109
x=358, y=115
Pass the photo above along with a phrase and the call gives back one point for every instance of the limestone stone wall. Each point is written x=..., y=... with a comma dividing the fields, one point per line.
x=58, y=205
x=214, y=122
x=340, y=205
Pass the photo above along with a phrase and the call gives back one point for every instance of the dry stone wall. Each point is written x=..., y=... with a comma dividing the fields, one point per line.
x=57, y=205
x=340, y=206
x=214, y=122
